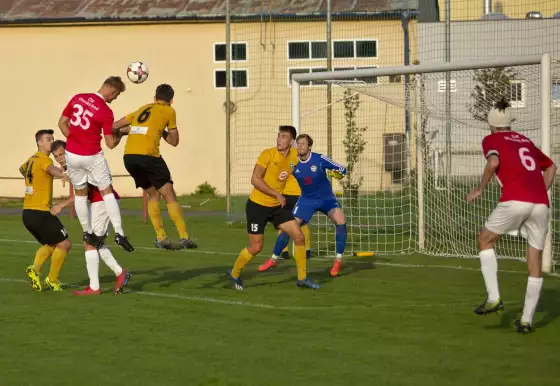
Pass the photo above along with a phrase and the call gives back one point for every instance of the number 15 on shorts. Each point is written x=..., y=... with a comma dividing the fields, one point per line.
x=254, y=227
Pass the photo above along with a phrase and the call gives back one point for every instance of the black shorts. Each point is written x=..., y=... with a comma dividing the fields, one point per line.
x=291, y=202
x=147, y=171
x=46, y=228
x=258, y=216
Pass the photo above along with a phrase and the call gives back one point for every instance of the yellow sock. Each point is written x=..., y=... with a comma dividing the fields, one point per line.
x=285, y=249
x=57, y=261
x=41, y=256
x=301, y=261
x=176, y=214
x=155, y=216
x=305, y=230
x=241, y=261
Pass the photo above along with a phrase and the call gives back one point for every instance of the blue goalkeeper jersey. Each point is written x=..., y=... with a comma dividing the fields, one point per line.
x=312, y=178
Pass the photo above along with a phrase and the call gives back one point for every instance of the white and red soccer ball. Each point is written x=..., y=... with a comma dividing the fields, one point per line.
x=137, y=72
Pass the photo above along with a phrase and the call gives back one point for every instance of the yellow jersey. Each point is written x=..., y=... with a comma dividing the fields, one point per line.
x=38, y=183
x=277, y=171
x=147, y=126
x=292, y=187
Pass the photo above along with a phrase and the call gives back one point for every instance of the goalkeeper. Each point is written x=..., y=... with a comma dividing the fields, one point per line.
x=311, y=174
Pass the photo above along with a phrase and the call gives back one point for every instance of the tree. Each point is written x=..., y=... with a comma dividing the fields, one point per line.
x=354, y=146
x=492, y=84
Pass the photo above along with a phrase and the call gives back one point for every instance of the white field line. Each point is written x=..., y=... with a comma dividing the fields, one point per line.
x=380, y=263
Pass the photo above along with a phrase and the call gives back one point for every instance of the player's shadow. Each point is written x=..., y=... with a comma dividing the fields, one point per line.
x=549, y=304
x=249, y=275
x=110, y=278
x=168, y=278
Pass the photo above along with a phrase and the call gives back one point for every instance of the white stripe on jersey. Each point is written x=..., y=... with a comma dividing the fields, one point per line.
x=340, y=167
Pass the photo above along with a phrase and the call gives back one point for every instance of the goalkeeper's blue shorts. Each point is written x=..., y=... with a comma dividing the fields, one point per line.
x=306, y=207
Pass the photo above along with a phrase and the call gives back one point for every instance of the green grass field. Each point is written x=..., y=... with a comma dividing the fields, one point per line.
x=389, y=320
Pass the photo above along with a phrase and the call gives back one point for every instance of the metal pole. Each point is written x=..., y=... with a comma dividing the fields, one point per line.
x=295, y=105
x=329, y=86
x=405, y=20
x=448, y=90
x=228, y=110
x=546, y=147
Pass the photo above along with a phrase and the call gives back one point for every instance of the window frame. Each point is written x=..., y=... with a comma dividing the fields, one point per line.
x=231, y=77
x=231, y=50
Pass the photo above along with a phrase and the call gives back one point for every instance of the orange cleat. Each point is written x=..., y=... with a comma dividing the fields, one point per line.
x=270, y=263
x=122, y=282
x=87, y=292
x=335, y=270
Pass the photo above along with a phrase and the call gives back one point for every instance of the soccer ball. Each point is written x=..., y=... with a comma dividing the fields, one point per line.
x=137, y=72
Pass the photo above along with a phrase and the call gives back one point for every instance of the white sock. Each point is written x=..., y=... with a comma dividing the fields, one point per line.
x=339, y=256
x=114, y=212
x=92, y=265
x=110, y=261
x=489, y=268
x=534, y=285
x=274, y=257
x=82, y=211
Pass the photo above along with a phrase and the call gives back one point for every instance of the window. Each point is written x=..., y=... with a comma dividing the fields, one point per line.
x=238, y=52
x=318, y=82
x=556, y=92
x=318, y=50
x=366, y=49
x=395, y=79
x=239, y=79
x=343, y=49
x=517, y=94
x=302, y=50
x=298, y=50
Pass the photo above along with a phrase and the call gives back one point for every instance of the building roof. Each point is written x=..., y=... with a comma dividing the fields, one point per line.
x=127, y=10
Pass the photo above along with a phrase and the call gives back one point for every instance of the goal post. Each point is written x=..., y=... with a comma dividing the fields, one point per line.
x=414, y=207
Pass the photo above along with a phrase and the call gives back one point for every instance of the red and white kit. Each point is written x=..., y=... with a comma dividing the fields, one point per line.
x=524, y=203
x=90, y=118
x=99, y=218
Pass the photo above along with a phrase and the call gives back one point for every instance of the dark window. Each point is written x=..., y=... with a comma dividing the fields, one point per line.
x=366, y=49
x=298, y=50
x=238, y=51
x=319, y=50
x=343, y=49
x=238, y=78
x=219, y=52
x=220, y=79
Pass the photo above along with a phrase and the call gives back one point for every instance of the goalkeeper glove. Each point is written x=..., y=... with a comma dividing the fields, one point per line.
x=335, y=174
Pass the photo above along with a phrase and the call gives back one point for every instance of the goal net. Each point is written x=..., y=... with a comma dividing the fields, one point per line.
x=411, y=139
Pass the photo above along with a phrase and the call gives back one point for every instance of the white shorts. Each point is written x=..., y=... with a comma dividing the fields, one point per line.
x=530, y=220
x=88, y=168
x=99, y=219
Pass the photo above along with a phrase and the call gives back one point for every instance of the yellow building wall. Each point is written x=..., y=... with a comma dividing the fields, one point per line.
x=43, y=67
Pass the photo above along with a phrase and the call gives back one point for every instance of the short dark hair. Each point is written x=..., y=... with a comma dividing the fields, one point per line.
x=502, y=104
x=40, y=133
x=164, y=92
x=57, y=144
x=307, y=137
x=288, y=129
x=115, y=82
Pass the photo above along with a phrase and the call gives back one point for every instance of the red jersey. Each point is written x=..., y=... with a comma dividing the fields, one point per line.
x=94, y=195
x=521, y=166
x=90, y=116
